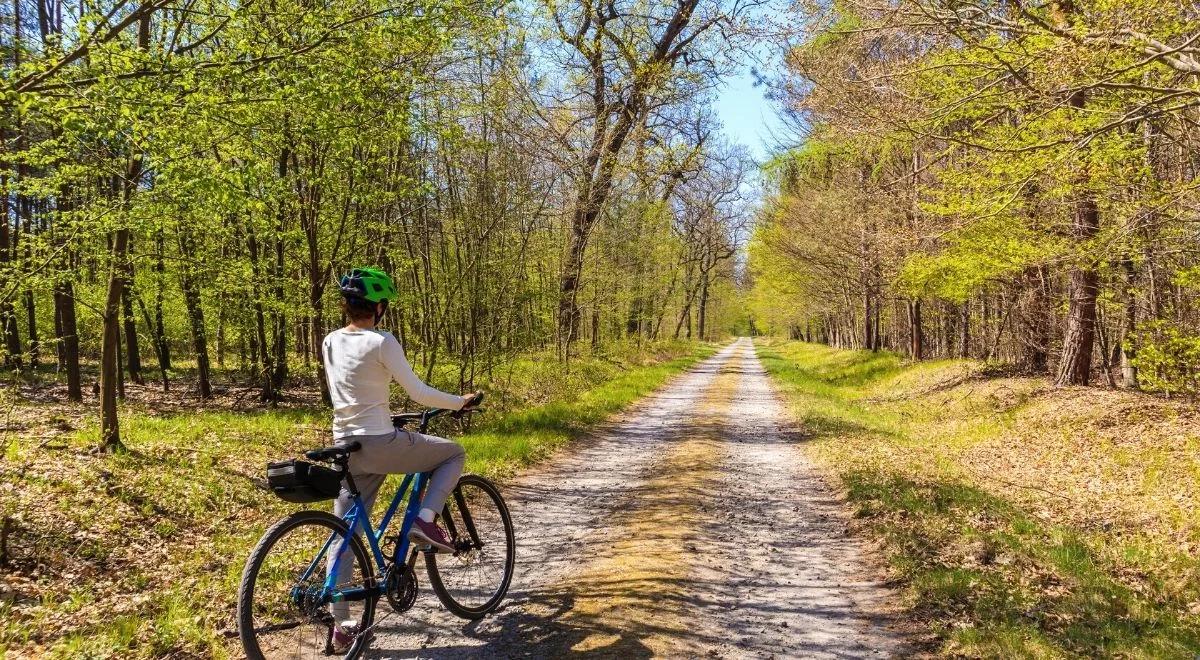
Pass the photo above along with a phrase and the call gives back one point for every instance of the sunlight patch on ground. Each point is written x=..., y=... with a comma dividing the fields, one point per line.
x=629, y=587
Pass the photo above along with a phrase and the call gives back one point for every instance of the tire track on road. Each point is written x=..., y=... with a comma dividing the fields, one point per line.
x=693, y=527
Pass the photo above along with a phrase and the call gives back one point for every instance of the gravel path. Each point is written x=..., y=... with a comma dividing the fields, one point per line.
x=693, y=527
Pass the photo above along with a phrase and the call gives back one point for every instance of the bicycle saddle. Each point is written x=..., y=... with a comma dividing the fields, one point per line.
x=332, y=453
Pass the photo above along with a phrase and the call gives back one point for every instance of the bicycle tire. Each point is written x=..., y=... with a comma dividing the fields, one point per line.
x=487, y=492
x=254, y=563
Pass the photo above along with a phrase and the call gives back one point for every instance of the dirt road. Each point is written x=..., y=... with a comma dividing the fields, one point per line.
x=695, y=527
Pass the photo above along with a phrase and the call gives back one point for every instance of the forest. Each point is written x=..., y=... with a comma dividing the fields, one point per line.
x=185, y=182
x=917, y=280
x=1005, y=181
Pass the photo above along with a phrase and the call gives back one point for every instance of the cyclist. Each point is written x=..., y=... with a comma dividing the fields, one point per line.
x=360, y=363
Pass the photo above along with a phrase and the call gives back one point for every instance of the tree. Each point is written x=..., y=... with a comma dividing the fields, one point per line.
x=633, y=61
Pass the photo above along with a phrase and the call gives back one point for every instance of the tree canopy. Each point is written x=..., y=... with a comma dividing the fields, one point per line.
x=1001, y=180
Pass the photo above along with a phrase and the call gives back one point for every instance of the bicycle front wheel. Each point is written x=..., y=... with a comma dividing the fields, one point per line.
x=282, y=611
x=472, y=581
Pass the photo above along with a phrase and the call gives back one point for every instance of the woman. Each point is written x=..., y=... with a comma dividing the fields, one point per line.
x=360, y=363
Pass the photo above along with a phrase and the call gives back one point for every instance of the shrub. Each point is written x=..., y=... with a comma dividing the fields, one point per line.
x=1168, y=358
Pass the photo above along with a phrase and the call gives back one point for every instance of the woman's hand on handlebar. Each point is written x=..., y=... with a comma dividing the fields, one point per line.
x=473, y=399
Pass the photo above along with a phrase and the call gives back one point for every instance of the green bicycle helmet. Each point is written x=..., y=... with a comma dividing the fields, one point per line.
x=370, y=284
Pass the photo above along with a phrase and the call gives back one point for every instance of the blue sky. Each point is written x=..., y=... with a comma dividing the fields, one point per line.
x=748, y=116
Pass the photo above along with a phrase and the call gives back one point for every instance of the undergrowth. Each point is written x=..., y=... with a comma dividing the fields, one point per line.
x=1025, y=521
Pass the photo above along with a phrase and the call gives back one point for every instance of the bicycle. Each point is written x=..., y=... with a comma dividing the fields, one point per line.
x=285, y=593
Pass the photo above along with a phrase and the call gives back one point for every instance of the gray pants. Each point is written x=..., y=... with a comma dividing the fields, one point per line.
x=401, y=452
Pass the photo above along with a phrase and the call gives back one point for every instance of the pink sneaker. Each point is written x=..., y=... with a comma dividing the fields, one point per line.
x=427, y=533
x=343, y=637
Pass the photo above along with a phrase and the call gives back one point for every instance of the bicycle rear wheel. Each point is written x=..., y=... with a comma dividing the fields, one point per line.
x=472, y=581
x=280, y=610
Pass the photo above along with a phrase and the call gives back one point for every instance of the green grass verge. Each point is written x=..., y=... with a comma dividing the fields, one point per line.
x=989, y=573
x=521, y=437
x=139, y=553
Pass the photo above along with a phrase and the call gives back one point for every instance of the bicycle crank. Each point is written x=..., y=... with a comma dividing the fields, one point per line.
x=401, y=587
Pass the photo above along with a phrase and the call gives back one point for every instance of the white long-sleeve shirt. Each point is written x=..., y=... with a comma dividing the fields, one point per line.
x=359, y=366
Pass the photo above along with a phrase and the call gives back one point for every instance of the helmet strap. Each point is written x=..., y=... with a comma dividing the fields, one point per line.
x=379, y=314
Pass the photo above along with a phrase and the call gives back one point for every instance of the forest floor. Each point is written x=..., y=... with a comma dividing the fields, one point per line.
x=138, y=553
x=693, y=526
x=1025, y=520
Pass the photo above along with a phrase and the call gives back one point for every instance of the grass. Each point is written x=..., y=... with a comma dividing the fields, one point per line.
x=524, y=436
x=138, y=553
x=1024, y=521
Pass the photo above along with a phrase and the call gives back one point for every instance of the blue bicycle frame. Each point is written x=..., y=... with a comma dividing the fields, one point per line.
x=357, y=517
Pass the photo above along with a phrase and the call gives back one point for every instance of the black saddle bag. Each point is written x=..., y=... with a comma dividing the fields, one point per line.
x=303, y=482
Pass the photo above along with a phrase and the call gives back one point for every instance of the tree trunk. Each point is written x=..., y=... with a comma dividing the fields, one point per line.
x=110, y=373
x=596, y=327
x=686, y=315
x=916, y=335
x=315, y=325
x=878, y=333
x=59, y=349
x=68, y=338
x=162, y=346
x=568, y=291
x=110, y=431
x=986, y=347
x=158, y=340
x=31, y=329
x=12, y=335
x=964, y=328
x=279, y=374
x=1083, y=288
x=8, y=317
x=1129, y=372
x=120, y=366
x=316, y=340
x=1035, y=320
x=221, y=337
x=601, y=163
x=195, y=314
x=133, y=357
x=868, y=325
x=259, y=348
x=10, y=245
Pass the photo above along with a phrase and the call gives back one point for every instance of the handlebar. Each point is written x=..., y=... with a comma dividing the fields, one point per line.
x=423, y=418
